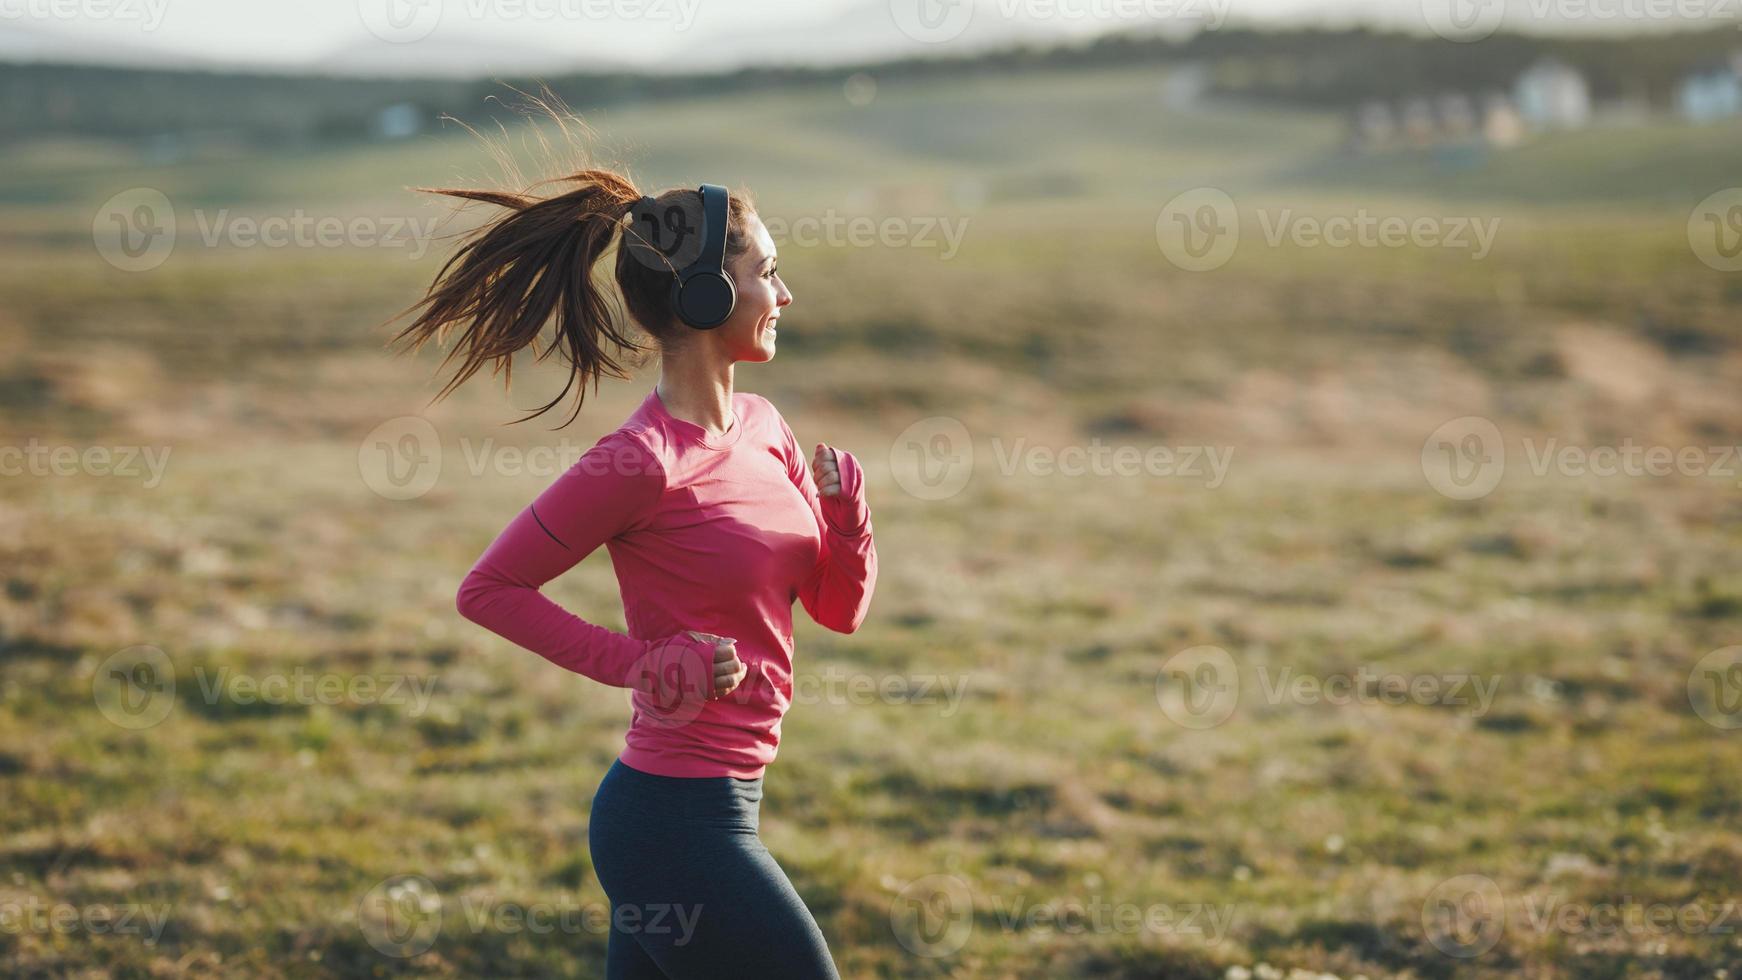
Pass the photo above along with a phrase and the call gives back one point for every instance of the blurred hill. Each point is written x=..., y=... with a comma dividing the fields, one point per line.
x=1315, y=67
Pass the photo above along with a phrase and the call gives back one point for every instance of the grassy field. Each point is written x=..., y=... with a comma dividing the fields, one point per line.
x=1476, y=737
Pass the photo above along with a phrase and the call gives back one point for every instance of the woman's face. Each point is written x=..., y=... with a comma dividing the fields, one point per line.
x=748, y=334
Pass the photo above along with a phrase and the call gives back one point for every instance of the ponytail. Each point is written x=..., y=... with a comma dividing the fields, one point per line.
x=522, y=270
x=534, y=264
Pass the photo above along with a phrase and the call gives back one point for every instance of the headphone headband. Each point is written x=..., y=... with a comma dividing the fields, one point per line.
x=703, y=295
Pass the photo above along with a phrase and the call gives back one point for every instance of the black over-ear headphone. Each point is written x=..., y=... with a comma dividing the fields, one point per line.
x=702, y=294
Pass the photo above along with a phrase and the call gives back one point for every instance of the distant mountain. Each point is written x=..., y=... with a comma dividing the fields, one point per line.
x=458, y=56
x=870, y=32
x=441, y=55
x=20, y=43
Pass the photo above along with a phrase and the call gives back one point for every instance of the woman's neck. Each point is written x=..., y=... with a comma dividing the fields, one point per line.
x=698, y=393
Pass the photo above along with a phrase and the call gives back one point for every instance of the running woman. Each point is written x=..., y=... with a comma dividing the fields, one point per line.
x=716, y=523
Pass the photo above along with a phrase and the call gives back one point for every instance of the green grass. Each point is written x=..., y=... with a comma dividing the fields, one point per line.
x=1050, y=605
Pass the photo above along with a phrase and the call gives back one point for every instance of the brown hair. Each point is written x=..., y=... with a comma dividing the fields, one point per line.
x=533, y=264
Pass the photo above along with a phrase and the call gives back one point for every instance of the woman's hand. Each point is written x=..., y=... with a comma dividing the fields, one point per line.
x=729, y=671
x=826, y=471
x=840, y=489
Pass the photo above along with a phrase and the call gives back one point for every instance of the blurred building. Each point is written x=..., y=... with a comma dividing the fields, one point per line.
x=397, y=121
x=1455, y=115
x=1184, y=86
x=1447, y=121
x=1552, y=94
x=1712, y=91
x=1373, y=127
x=1502, y=126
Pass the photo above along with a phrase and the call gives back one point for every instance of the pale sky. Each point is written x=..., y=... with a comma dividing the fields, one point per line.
x=469, y=36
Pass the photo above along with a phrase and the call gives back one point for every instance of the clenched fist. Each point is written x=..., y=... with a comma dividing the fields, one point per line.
x=729, y=671
x=840, y=489
x=826, y=470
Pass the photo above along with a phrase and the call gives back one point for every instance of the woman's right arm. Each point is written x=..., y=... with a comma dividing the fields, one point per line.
x=611, y=489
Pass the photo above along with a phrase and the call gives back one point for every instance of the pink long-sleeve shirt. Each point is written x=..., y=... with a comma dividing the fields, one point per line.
x=714, y=533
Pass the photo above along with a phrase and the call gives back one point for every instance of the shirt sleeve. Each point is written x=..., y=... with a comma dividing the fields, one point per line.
x=611, y=489
x=837, y=594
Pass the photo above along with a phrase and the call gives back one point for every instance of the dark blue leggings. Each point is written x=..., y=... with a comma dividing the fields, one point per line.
x=694, y=893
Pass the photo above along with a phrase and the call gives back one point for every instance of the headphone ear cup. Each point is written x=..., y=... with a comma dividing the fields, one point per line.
x=704, y=299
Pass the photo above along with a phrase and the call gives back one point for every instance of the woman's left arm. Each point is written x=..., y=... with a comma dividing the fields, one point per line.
x=837, y=593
